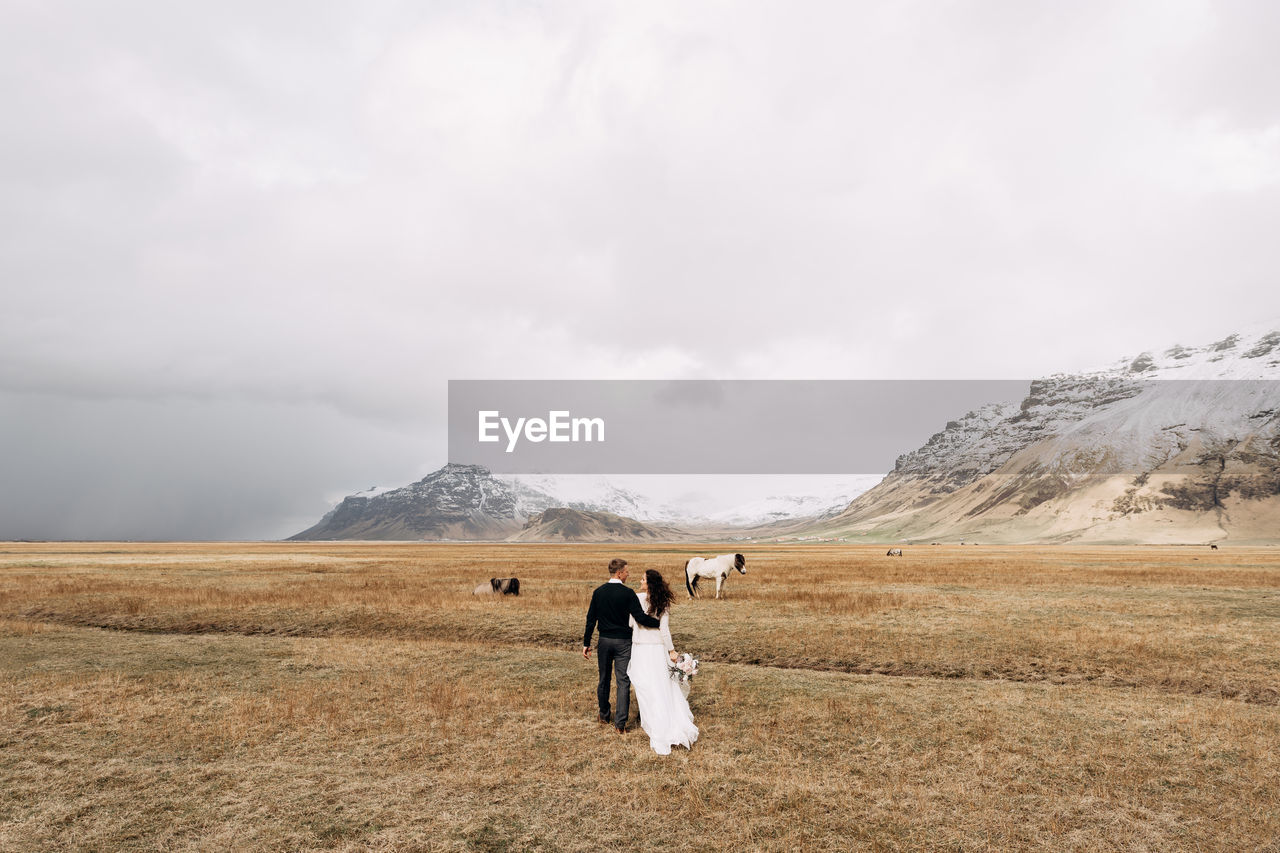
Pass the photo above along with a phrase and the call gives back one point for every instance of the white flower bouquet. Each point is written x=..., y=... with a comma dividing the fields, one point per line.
x=684, y=668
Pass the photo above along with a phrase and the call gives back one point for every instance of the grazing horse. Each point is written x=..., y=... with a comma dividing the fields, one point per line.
x=714, y=567
x=893, y=552
x=1213, y=547
x=498, y=586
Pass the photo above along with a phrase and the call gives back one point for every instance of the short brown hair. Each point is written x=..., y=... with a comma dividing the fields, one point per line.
x=616, y=565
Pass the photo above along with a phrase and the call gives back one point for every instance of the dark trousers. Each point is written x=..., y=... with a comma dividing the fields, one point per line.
x=615, y=653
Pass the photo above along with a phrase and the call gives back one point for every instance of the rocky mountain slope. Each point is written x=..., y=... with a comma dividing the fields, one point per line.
x=561, y=524
x=455, y=502
x=1177, y=446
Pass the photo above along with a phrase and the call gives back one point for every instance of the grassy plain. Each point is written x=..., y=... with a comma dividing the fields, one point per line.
x=356, y=696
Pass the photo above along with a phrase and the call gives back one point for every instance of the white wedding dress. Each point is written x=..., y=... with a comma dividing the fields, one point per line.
x=664, y=711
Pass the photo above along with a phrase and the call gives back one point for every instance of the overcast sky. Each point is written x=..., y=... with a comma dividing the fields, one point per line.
x=243, y=246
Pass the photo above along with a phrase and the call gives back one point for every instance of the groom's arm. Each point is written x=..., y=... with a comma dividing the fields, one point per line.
x=642, y=618
x=591, y=626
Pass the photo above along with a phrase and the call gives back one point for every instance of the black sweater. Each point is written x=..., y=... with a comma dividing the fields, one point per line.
x=611, y=604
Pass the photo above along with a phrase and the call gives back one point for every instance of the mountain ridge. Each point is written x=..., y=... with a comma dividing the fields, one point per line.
x=1177, y=446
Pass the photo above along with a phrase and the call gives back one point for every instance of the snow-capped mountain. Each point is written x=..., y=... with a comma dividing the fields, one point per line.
x=1124, y=454
x=470, y=502
x=455, y=502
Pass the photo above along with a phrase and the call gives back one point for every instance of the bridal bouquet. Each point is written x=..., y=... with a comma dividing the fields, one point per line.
x=684, y=668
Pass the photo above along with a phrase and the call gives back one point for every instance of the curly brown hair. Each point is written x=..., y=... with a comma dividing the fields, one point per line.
x=660, y=596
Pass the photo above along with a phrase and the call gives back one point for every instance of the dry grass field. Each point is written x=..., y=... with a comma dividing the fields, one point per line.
x=355, y=696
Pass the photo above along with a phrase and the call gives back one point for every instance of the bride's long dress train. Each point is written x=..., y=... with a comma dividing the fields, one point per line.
x=664, y=712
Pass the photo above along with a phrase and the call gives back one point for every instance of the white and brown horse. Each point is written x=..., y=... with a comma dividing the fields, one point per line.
x=714, y=567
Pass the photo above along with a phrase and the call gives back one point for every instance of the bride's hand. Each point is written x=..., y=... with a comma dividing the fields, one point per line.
x=674, y=657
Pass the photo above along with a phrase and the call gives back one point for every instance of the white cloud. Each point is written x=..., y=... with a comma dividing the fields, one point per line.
x=1224, y=159
x=346, y=206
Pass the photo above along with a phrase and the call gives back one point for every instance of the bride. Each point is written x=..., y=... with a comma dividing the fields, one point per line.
x=664, y=712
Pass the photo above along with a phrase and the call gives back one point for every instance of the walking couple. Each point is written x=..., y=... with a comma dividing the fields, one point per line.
x=635, y=641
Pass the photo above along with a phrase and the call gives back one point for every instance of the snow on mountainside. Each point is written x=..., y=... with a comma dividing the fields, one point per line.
x=1246, y=355
x=372, y=492
x=538, y=492
x=1121, y=454
x=700, y=500
x=785, y=507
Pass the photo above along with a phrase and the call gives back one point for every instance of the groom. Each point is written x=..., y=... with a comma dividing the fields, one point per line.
x=611, y=604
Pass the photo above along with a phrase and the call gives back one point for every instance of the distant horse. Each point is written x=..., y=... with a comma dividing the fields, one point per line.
x=714, y=567
x=1213, y=547
x=498, y=586
x=894, y=552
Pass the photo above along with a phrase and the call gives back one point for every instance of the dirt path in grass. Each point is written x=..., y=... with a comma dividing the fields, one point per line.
x=489, y=634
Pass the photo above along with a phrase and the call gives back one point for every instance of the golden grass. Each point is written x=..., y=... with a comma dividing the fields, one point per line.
x=356, y=696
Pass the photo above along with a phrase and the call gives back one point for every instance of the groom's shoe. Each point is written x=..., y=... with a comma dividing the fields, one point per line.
x=620, y=730
x=604, y=721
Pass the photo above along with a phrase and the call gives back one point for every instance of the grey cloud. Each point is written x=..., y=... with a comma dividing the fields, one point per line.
x=127, y=469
